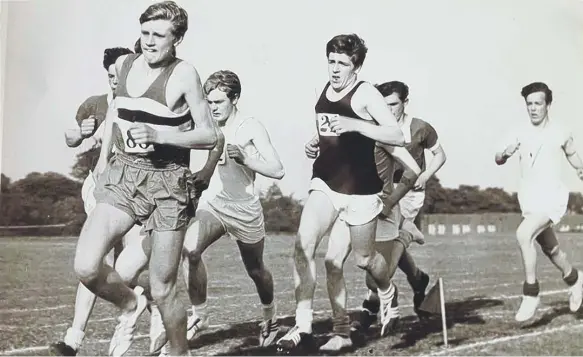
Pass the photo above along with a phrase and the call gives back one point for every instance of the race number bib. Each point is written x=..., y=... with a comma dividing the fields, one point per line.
x=324, y=124
x=130, y=146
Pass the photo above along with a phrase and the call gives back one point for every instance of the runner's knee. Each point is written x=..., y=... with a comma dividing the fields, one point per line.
x=524, y=235
x=364, y=261
x=405, y=238
x=161, y=290
x=333, y=266
x=256, y=273
x=87, y=269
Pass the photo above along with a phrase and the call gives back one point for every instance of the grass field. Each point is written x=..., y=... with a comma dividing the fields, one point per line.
x=482, y=279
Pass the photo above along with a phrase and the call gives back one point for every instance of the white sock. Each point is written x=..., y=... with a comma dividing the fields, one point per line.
x=304, y=318
x=199, y=310
x=269, y=311
x=387, y=294
x=74, y=338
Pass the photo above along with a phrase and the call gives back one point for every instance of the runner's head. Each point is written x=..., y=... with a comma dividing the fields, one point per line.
x=163, y=27
x=396, y=96
x=222, y=90
x=538, y=98
x=110, y=55
x=346, y=54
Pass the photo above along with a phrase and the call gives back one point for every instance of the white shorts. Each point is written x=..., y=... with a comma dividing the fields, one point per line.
x=87, y=190
x=547, y=202
x=411, y=204
x=353, y=209
x=242, y=220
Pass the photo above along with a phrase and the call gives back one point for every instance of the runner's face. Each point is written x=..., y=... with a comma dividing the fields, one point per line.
x=157, y=40
x=221, y=106
x=341, y=70
x=396, y=105
x=112, y=77
x=537, y=107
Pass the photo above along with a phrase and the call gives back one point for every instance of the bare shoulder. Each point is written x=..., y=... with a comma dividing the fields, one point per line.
x=367, y=93
x=367, y=89
x=186, y=72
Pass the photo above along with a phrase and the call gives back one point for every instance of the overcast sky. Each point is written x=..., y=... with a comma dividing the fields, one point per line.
x=464, y=60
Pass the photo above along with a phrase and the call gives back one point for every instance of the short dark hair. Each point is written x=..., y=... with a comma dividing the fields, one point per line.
x=389, y=88
x=537, y=87
x=167, y=10
x=350, y=45
x=110, y=55
x=226, y=81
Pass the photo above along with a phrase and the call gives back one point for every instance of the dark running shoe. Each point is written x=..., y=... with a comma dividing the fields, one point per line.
x=61, y=349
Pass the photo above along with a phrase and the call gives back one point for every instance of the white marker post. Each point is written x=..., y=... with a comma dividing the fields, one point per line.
x=442, y=308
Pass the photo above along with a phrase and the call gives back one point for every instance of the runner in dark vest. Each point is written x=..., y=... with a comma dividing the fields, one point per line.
x=351, y=116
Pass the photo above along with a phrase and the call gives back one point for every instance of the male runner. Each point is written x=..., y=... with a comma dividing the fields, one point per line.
x=350, y=116
x=236, y=209
x=389, y=221
x=419, y=136
x=158, y=99
x=90, y=117
x=542, y=195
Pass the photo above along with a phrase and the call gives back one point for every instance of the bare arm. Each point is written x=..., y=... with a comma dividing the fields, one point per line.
x=106, y=140
x=215, y=153
x=410, y=175
x=571, y=153
x=269, y=163
x=403, y=156
x=204, y=135
x=387, y=131
x=74, y=137
x=503, y=156
x=437, y=161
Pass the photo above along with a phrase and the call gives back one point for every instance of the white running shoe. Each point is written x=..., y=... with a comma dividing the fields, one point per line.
x=195, y=325
x=157, y=331
x=123, y=337
x=576, y=293
x=269, y=330
x=527, y=308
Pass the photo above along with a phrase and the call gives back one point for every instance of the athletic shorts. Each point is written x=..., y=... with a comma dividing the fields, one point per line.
x=87, y=193
x=388, y=227
x=157, y=197
x=411, y=204
x=242, y=220
x=354, y=209
x=547, y=202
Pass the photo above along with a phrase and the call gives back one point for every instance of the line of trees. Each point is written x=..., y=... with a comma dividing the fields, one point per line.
x=52, y=198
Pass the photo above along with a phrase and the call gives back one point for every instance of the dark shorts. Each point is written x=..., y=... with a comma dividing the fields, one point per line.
x=156, y=197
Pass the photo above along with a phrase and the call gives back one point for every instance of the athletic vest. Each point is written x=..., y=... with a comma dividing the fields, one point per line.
x=346, y=162
x=238, y=181
x=152, y=109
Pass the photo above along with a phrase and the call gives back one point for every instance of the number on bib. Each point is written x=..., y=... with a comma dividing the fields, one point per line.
x=130, y=146
x=324, y=124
